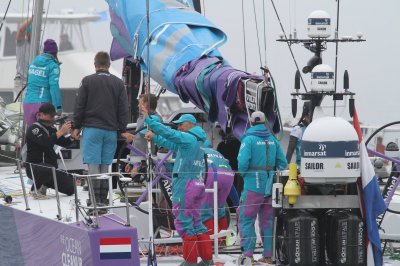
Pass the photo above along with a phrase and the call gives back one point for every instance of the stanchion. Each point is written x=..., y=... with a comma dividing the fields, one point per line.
x=53, y=170
x=23, y=185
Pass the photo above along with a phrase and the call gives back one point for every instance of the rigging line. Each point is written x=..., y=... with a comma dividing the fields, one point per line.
x=244, y=38
x=290, y=48
x=149, y=160
x=336, y=53
x=265, y=35
x=258, y=38
x=148, y=47
x=290, y=17
x=45, y=24
x=204, y=8
x=5, y=14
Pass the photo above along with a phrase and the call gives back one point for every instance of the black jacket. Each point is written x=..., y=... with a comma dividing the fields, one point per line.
x=40, y=141
x=101, y=102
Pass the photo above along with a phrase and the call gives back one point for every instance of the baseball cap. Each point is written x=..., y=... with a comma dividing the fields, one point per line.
x=47, y=108
x=257, y=117
x=185, y=118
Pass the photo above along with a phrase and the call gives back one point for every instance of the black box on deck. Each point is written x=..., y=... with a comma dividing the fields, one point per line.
x=299, y=240
x=345, y=238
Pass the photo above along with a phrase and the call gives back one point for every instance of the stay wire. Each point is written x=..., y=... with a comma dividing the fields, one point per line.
x=258, y=38
x=336, y=53
x=244, y=38
x=5, y=15
x=45, y=24
x=290, y=48
x=265, y=35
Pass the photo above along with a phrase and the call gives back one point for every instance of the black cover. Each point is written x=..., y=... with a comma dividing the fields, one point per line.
x=345, y=238
x=298, y=239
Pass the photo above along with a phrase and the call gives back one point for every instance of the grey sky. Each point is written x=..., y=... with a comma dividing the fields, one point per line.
x=373, y=66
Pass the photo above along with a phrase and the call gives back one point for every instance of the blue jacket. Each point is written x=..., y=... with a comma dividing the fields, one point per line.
x=43, y=77
x=189, y=160
x=253, y=161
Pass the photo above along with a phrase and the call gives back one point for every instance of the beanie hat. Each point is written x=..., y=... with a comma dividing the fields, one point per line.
x=50, y=46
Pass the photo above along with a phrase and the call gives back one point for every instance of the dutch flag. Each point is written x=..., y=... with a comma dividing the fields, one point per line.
x=115, y=248
x=372, y=202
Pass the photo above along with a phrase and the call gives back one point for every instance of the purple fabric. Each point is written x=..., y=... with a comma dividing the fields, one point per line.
x=217, y=110
x=194, y=192
x=225, y=181
x=210, y=92
x=203, y=88
x=232, y=85
x=239, y=123
x=220, y=88
x=116, y=50
x=251, y=205
x=185, y=81
x=186, y=206
x=178, y=79
x=30, y=111
x=221, y=85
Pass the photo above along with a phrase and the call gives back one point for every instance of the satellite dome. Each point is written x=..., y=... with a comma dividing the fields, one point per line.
x=319, y=24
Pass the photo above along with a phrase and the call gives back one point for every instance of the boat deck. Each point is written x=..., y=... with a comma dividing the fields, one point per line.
x=10, y=184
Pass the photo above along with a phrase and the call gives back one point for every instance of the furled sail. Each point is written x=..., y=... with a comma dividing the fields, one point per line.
x=184, y=58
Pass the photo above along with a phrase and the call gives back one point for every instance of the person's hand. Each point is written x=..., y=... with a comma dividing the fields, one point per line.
x=65, y=128
x=75, y=133
x=149, y=135
x=127, y=168
x=128, y=137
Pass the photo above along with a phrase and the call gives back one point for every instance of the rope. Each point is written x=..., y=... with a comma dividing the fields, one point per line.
x=258, y=38
x=5, y=14
x=244, y=38
x=290, y=17
x=336, y=53
x=290, y=48
x=265, y=35
x=45, y=24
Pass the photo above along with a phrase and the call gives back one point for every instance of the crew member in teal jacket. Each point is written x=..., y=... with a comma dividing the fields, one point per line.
x=219, y=166
x=188, y=188
x=43, y=77
x=259, y=156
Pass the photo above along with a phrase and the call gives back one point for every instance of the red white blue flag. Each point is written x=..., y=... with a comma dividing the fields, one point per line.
x=115, y=248
x=372, y=203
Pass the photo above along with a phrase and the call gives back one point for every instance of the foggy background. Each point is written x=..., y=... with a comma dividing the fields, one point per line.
x=373, y=65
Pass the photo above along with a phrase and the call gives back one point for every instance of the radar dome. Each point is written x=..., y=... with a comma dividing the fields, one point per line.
x=322, y=78
x=319, y=24
x=330, y=152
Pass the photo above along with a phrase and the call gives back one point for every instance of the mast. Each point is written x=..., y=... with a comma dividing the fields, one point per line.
x=36, y=29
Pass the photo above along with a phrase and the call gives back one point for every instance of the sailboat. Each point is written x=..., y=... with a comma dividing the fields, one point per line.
x=79, y=239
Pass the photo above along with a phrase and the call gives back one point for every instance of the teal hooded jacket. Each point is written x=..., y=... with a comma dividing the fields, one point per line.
x=189, y=160
x=256, y=168
x=43, y=78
